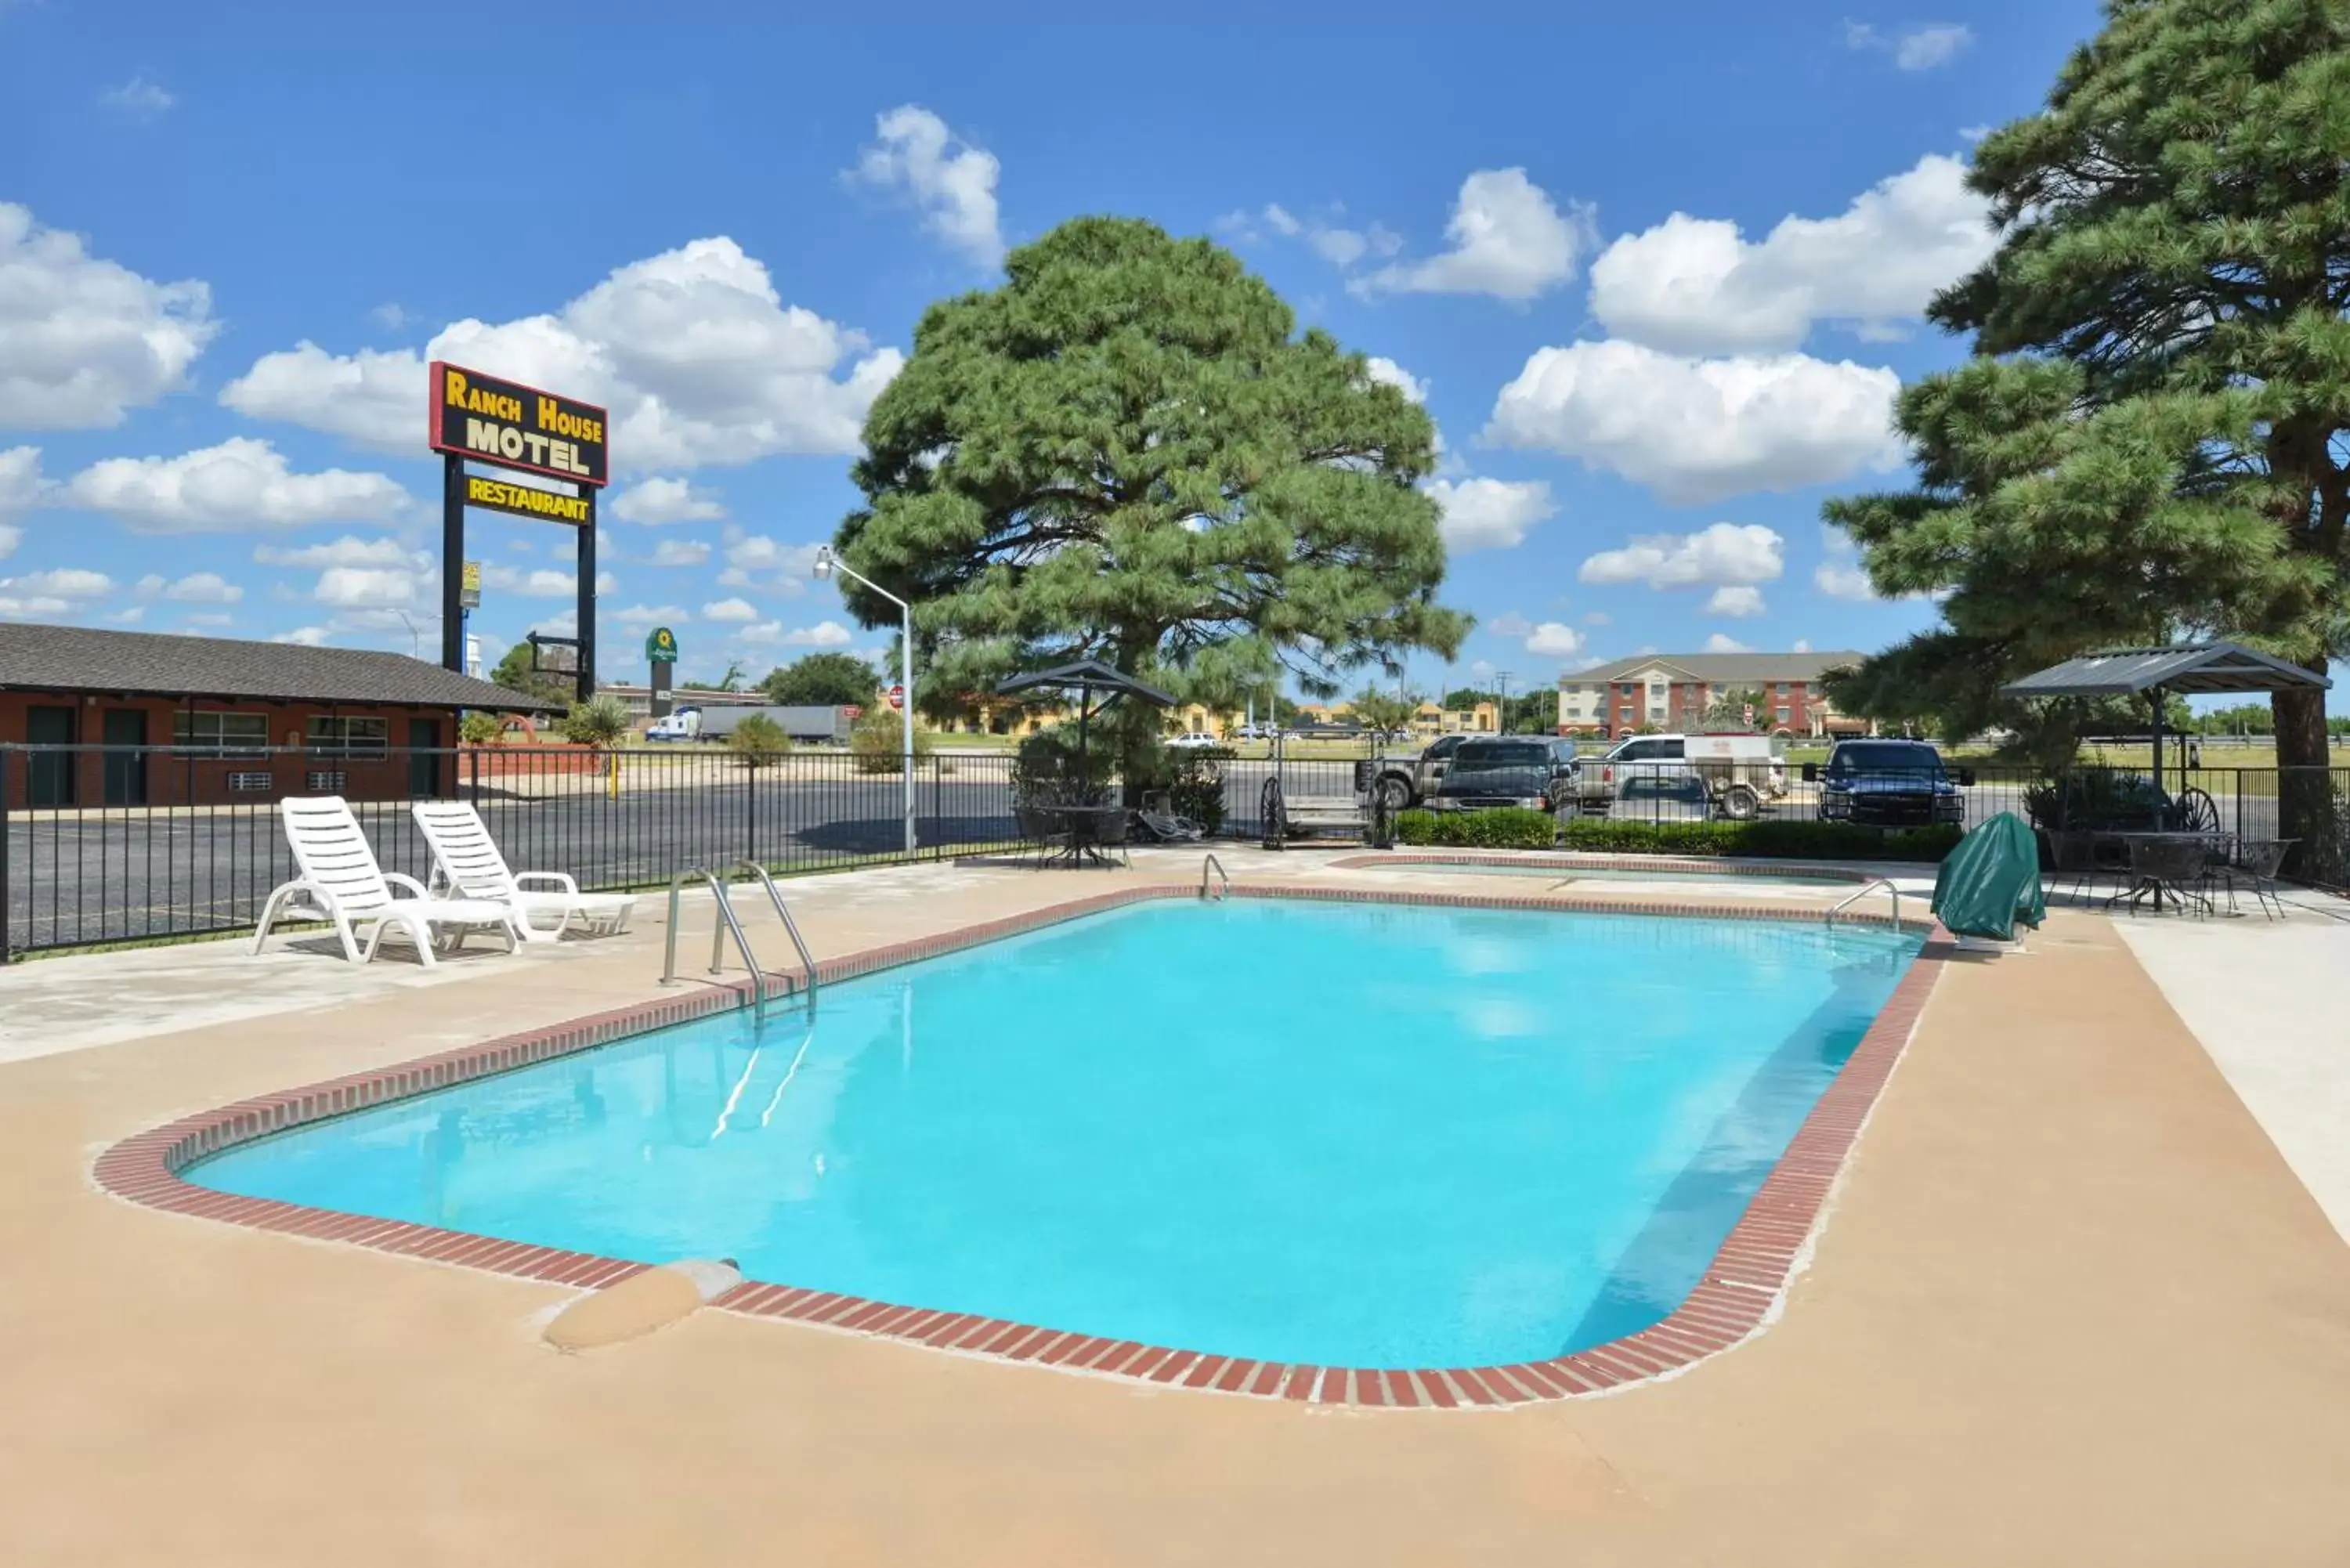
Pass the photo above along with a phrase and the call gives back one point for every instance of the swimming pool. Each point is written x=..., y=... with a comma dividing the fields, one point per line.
x=1366, y=1135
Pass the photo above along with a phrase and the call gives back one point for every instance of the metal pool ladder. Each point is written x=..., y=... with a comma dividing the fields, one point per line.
x=1848, y=902
x=1211, y=863
x=727, y=923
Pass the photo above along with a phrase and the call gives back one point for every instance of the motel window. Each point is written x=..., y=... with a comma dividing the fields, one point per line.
x=220, y=734
x=338, y=735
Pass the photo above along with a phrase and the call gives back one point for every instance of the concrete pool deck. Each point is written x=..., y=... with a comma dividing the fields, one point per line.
x=2071, y=1306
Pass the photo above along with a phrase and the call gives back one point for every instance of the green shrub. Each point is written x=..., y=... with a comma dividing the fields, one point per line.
x=480, y=729
x=1505, y=828
x=877, y=742
x=600, y=722
x=1764, y=839
x=758, y=740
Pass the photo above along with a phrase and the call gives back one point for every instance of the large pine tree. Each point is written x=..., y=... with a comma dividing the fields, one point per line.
x=1127, y=452
x=2153, y=440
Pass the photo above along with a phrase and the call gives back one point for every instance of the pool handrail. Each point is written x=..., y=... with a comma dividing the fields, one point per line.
x=791, y=927
x=1850, y=900
x=1211, y=861
x=729, y=922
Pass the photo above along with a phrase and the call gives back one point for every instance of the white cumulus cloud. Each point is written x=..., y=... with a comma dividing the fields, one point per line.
x=1738, y=603
x=1554, y=640
x=1844, y=580
x=1722, y=642
x=655, y=502
x=303, y=636
x=730, y=610
x=195, y=588
x=1697, y=285
x=1722, y=553
x=678, y=553
x=1508, y=240
x=637, y=615
x=1387, y=373
x=692, y=350
x=1918, y=48
x=63, y=583
x=1697, y=430
x=240, y=484
x=1489, y=514
x=823, y=634
x=84, y=339
x=1508, y=623
x=367, y=587
x=21, y=488
x=347, y=551
x=142, y=97
x=952, y=182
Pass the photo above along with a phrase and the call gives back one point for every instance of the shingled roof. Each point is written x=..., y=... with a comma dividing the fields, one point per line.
x=151, y=664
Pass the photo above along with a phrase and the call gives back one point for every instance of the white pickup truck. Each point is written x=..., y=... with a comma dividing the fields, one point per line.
x=1731, y=774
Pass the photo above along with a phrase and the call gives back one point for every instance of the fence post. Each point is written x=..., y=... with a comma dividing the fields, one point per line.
x=750, y=813
x=7, y=904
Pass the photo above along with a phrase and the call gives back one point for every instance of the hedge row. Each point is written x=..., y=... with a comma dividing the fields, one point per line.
x=1507, y=827
x=1515, y=830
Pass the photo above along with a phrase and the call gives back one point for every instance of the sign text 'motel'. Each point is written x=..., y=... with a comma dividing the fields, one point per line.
x=515, y=426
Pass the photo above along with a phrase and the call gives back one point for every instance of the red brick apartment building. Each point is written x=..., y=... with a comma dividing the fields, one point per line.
x=1672, y=690
x=170, y=721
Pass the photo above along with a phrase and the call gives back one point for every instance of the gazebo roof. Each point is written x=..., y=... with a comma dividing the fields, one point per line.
x=1084, y=675
x=2187, y=668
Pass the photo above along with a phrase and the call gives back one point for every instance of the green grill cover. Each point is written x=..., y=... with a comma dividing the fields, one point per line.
x=1991, y=880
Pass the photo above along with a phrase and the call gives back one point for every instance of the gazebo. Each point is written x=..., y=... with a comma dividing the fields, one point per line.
x=2191, y=668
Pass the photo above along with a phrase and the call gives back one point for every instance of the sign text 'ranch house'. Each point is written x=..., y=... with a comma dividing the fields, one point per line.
x=515, y=426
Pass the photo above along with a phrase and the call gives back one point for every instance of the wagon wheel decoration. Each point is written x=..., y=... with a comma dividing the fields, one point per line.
x=2196, y=812
x=1275, y=814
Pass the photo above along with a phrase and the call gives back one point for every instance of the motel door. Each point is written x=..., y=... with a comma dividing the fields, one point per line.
x=424, y=759
x=126, y=767
x=50, y=781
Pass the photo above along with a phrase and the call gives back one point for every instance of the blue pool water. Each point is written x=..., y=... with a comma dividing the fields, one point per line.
x=1354, y=1135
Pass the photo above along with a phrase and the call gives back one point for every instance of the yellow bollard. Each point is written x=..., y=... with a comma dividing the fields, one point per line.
x=612, y=777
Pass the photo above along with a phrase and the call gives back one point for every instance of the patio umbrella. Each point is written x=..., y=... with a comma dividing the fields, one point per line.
x=1085, y=677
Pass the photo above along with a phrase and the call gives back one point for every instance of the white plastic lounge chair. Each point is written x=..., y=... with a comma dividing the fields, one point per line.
x=342, y=882
x=466, y=859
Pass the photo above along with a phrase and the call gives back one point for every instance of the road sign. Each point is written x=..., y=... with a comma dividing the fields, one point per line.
x=1750, y=714
x=660, y=646
x=852, y=712
x=898, y=697
x=469, y=589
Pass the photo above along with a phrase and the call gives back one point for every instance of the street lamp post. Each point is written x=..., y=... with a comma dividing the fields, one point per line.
x=827, y=563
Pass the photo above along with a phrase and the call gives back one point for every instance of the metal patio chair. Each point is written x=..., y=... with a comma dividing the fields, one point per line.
x=2254, y=864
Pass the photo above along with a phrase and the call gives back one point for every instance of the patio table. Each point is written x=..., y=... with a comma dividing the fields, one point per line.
x=1081, y=825
x=2159, y=872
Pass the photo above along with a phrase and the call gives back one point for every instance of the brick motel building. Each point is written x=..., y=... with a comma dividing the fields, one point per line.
x=159, y=720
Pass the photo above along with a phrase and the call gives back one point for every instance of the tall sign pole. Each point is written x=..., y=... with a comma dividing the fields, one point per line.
x=453, y=558
x=587, y=615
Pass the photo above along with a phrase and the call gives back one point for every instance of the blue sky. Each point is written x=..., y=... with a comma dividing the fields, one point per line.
x=1656, y=283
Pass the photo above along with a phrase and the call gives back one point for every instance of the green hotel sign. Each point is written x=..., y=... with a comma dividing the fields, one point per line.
x=660, y=646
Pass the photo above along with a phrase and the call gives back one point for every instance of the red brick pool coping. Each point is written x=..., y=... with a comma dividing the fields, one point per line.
x=1811, y=870
x=1737, y=1295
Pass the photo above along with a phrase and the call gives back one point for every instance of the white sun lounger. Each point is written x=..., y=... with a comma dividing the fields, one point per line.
x=342, y=883
x=466, y=859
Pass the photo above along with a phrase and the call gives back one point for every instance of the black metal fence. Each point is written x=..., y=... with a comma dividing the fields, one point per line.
x=132, y=843
x=118, y=844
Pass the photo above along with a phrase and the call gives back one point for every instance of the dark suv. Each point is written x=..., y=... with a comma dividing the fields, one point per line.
x=1530, y=771
x=1889, y=784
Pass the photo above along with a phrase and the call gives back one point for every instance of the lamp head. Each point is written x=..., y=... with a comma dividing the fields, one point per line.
x=823, y=563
